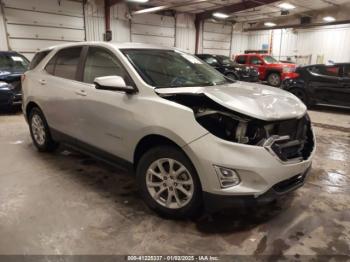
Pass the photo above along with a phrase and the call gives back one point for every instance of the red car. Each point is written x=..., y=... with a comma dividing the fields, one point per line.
x=270, y=70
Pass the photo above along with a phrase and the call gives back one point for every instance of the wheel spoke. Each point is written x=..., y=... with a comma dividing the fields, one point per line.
x=154, y=184
x=154, y=173
x=171, y=166
x=161, y=190
x=161, y=168
x=180, y=171
x=183, y=190
x=169, y=198
x=184, y=182
x=177, y=198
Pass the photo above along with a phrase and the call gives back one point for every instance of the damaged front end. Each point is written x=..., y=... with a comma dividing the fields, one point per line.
x=288, y=140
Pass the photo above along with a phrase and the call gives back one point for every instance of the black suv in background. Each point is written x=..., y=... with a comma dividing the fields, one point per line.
x=12, y=66
x=321, y=84
x=231, y=69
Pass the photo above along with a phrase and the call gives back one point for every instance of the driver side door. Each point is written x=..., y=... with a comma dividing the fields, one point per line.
x=105, y=115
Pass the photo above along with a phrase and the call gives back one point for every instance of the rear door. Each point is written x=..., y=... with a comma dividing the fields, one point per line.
x=259, y=64
x=60, y=91
x=325, y=83
x=344, y=94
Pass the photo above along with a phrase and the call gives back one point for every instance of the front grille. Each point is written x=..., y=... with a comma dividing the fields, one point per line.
x=299, y=140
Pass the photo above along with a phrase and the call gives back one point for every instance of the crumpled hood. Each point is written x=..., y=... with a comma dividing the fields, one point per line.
x=254, y=100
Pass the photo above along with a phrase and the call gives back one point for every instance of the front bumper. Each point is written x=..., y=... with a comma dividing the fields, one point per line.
x=290, y=75
x=258, y=169
x=10, y=98
x=215, y=202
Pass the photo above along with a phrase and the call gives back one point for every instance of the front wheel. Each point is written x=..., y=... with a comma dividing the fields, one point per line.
x=168, y=182
x=40, y=131
x=274, y=79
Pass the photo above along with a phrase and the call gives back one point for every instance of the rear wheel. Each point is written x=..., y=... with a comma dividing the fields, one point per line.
x=40, y=131
x=169, y=183
x=274, y=79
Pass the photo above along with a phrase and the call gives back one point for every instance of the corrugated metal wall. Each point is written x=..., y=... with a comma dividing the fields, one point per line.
x=185, y=32
x=216, y=38
x=32, y=25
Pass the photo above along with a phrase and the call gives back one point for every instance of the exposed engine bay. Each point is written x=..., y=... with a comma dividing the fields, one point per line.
x=288, y=139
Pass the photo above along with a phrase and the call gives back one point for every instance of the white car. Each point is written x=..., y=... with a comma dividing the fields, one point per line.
x=195, y=138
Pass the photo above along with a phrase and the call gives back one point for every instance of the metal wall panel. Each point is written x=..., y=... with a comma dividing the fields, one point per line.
x=216, y=38
x=32, y=25
x=153, y=29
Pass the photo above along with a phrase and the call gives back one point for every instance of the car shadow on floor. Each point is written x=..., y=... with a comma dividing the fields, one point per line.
x=119, y=185
x=330, y=109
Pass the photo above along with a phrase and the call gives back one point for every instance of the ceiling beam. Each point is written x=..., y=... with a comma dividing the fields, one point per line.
x=167, y=7
x=229, y=9
x=298, y=26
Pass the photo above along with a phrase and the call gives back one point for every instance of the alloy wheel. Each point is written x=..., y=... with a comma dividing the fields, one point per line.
x=169, y=183
x=38, y=129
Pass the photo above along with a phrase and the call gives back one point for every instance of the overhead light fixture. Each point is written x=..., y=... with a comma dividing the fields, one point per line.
x=220, y=15
x=138, y=1
x=269, y=24
x=286, y=6
x=329, y=19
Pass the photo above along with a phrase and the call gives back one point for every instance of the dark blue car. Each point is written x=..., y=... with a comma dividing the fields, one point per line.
x=12, y=66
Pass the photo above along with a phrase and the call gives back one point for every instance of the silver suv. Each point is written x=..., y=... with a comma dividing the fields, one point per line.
x=194, y=138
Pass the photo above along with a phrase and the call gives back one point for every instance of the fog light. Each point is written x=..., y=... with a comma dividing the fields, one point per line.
x=227, y=177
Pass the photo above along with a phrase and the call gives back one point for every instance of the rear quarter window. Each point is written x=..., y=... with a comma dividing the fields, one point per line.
x=37, y=59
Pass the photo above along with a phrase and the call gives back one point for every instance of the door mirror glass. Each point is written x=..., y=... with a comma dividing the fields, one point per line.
x=113, y=83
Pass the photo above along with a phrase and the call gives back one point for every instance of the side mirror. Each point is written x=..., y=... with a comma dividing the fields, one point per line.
x=113, y=83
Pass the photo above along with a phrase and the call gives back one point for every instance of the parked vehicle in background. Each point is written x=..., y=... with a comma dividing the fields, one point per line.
x=231, y=69
x=321, y=84
x=270, y=70
x=194, y=137
x=12, y=66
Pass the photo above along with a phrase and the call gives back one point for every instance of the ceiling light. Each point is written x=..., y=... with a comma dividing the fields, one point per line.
x=286, y=6
x=138, y=1
x=329, y=19
x=220, y=15
x=269, y=24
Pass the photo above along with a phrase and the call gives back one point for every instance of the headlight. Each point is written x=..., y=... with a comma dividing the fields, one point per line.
x=5, y=86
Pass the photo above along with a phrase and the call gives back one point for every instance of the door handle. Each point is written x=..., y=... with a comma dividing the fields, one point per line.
x=42, y=81
x=81, y=93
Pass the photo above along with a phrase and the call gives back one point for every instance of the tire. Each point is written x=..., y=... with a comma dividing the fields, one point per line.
x=40, y=132
x=232, y=76
x=274, y=79
x=301, y=94
x=161, y=184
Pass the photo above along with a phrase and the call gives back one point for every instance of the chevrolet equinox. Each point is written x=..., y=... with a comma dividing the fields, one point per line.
x=193, y=137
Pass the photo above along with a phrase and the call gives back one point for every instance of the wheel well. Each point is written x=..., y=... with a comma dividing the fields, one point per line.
x=29, y=107
x=271, y=72
x=149, y=142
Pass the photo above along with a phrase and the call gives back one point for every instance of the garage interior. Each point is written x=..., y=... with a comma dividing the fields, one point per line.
x=70, y=204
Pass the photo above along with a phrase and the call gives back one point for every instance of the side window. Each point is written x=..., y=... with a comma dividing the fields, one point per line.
x=65, y=63
x=255, y=60
x=5, y=62
x=241, y=60
x=347, y=71
x=37, y=59
x=331, y=71
x=100, y=62
x=211, y=61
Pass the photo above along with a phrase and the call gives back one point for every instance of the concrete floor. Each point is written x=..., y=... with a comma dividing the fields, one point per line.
x=66, y=203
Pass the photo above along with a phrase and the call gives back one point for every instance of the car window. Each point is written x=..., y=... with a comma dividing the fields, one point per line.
x=211, y=60
x=255, y=60
x=13, y=62
x=38, y=58
x=241, y=60
x=346, y=71
x=169, y=68
x=101, y=62
x=270, y=59
x=65, y=63
x=331, y=71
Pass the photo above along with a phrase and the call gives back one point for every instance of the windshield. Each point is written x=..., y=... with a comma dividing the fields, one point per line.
x=224, y=60
x=168, y=68
x=269, y=59
x=13, y=62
